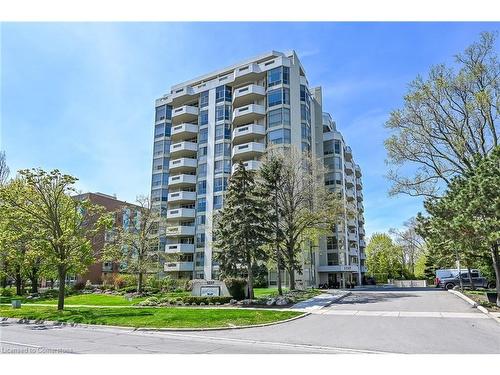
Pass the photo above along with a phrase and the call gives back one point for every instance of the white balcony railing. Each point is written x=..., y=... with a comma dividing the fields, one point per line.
x=180, y=230
x=248, y=133
x=248, y=150
x=185, y=248
x=248, y=114
x=178, y=266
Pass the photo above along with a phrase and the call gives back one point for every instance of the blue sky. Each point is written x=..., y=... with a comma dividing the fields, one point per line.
x=80, y=97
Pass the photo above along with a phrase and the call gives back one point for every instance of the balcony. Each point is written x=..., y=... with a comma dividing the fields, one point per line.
x=361, y=219
x=248, y=150
x=180, y=214
x=359, y=184
x=248, y=133
x=361, y=208
x=364, y=269
x=182, y=180
x=182, y=94
x=251, y=165
x=352, y=236
x=182, y=197
x=362, y=243
x=348, y=153
x=182, y=165
x=359, y=196
x=186, y=113
x=349, y=181
x=351, y=223
x=362, y=255
x=357, y=169
x=349, y=194
x=248, y=114
x=349, y=167
x=175, y=248
x=183, y=131
x=247, y=73
x=353, y=251
x=361, y=231
x=178, y=266
x=180, y=230
x=248, y=94
x=182, y=149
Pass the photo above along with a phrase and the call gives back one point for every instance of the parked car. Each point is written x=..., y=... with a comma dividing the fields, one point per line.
x=450, y=278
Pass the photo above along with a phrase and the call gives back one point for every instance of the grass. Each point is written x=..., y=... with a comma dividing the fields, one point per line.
x=150, y=317
x=266, y=292
x=92, y=299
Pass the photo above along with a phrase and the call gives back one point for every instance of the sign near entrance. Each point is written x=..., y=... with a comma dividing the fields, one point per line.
x=209, y=291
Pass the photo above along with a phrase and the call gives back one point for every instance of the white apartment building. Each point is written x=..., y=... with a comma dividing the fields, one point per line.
x=204, y=126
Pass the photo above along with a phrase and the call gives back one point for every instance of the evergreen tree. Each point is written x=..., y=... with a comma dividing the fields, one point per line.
x=239, y=233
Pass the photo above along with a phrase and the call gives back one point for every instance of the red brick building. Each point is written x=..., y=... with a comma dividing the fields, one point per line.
x=125, y=214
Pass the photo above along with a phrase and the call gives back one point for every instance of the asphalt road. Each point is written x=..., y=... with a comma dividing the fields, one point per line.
x=368, y=321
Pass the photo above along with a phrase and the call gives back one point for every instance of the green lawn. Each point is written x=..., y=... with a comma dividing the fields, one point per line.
x=92, y=299
x=266, y=292
x=151, y=317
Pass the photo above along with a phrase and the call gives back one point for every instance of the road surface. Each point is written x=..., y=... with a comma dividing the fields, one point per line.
x=367, y=321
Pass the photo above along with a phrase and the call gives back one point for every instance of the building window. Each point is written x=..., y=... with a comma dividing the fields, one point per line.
x=200, y=239
x=163, y=112
x=217, y=202
x=305, y=132
x=203, y=118
x=200, y=220
x=159, y=130
x=303, y=94
x=331, y=243
x=202, y=151
x=203, y=136
x=223, y=94
x=220, y=184
x=159, y=179
x=337, y=147
x=223, y=131
x=202, y=187
x=200, y=262
x=328, y=148
x=338, y=162
x=203, y=99
x=280, y=116
x=278, y=96
x=279, y=136
x=160, y=164
x=222, y=112
x=222, y=149
x=202, y=170
x=201, y=204
x=306, y=147
x=332, y=259
x=278, y=75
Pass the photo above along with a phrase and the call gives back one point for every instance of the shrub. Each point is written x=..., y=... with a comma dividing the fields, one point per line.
x=79, y=285
x=236, y=287
x=88, y=285
x=108, y=282
x=118, y=281
x=7, y=292
x=129, y=280
x=168, y=284
x=205, y=300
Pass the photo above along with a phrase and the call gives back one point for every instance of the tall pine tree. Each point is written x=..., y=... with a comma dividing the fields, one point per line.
x=238, y=231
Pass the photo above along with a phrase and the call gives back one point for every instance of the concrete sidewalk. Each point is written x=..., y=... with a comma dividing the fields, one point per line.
x=318, y=302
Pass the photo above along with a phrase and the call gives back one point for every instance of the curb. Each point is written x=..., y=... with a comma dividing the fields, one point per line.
x=147, y=329
x=474, y=304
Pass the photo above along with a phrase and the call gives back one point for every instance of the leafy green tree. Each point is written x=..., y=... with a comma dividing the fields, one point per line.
x=303, y=202
x=239, y=235
x=135, y=246
x=411, y=243
x=270, y=182
x=447, y=120
x=61, y=223
x=4, y=169
x=466, y=219
x=384, y=258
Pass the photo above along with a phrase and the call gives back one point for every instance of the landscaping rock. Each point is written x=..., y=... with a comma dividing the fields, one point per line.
x=233, y=302
x=282, y=301
x=271, y=302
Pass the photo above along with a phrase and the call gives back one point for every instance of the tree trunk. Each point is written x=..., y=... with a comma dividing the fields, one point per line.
x=19, y=284
x=250, y=280
x=34, y=283
x=139, y=282
x=471, y=281
x=62, y=284
x=4, y=282
x=291, y=272
x=496, y=265
x=280, y=289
